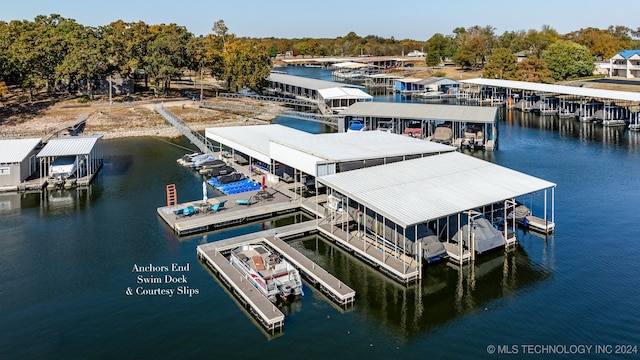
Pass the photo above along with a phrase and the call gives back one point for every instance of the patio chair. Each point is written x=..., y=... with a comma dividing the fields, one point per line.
x=218, y=206
x=187, y=211
x=244, y=201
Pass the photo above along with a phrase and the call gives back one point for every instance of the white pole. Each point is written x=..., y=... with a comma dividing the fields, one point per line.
x=110, y=102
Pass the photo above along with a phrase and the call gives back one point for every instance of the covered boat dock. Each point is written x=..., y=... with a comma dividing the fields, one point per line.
x=87, y=158
x=386, y=192
x=462, y=121
x=332, y=97
x=610, y=107
x=434, y=194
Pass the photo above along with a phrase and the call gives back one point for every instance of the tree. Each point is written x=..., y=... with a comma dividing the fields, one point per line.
x=438, y=49
x=85, y=59
x=471, y=53
x=246, y=65
x=602, y=44
x=567, y=60
x=220, y=30
x=533, y=69
x=537, y=41
x=166, y=56
x=512, y=40
x=500, y=65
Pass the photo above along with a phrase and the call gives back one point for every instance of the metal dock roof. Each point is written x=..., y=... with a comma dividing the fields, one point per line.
x=73, y=145
x=416, y=191
x=423, y=111
x=362, y=145
x=558, y=89
x=308, y=83
x=253, y=140
x=16, y=150
x=344, y=93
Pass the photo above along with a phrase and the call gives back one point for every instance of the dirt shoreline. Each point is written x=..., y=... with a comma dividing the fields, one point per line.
x=132, y=120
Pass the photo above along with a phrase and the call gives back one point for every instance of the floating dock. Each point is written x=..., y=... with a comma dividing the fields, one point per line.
x=263, y=205
x=269, y=316
x=400, y=267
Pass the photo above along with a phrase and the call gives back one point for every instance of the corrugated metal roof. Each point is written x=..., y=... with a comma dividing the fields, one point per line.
x=476, y=114
x=416, y=191
x=558, y=89
x=352, y=146
x=73, y=145
x=16, y=150
x=331, y=147
x=352, y=65
x=307, y=83
x=343, y=93
x=256, y=137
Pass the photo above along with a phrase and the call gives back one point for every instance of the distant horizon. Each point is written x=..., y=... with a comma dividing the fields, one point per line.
x=332, y=19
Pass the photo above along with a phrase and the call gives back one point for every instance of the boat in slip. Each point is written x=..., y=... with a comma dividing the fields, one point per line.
x=356, y=126
x=274, y=276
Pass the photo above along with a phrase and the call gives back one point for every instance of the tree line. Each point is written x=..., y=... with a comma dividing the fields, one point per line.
x=57, y=54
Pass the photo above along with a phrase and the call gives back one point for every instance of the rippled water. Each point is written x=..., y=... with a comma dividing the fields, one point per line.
x=66, y=259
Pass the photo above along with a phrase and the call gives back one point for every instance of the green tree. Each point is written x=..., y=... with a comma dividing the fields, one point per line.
x=84, y=61
x=537, y=41
x=502, y=64
x=567, y=60
x=247, y=65
x=166, y=56
x=438, y=49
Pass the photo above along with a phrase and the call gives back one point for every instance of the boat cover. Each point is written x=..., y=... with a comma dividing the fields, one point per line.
x=486, y=236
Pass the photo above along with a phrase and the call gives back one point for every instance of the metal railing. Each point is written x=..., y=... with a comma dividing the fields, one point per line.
x=276, y=99
x=195, y=137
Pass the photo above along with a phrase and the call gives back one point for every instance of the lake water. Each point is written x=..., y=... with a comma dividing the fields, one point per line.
x=67, y=260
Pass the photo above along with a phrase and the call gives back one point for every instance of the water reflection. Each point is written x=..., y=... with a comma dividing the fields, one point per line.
x=445, y=292
x=68, y=201
x=586, y=131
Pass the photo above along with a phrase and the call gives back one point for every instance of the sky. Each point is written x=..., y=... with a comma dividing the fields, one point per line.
x=417, y=20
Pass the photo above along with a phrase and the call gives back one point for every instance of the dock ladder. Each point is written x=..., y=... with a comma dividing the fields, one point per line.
x=172, y=196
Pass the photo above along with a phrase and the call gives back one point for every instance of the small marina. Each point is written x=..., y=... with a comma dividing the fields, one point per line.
x=354, y=213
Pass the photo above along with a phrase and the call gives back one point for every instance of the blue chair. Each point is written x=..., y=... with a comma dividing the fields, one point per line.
x=244, y=201
x=218, y=206
x=188, y=211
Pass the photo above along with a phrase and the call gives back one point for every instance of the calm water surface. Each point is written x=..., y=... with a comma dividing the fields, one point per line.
x=66, y=260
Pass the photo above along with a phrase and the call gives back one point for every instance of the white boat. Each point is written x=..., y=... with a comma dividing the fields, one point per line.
x=275, y=277
x=63, y=167
x=356, y=126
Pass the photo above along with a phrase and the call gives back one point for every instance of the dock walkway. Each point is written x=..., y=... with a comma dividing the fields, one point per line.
x=400, y=268
x=264, y=310
x=259, y=305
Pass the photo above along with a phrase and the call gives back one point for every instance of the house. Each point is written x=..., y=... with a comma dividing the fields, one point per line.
x=417, y=53
x=416, y=85
x=17, y=161
x=521, y=55
x=626, y=64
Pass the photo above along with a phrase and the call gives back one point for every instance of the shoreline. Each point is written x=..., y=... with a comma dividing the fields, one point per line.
x=134, y=120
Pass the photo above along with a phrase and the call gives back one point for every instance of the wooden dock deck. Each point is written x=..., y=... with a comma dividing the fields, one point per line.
x=231, y=214
x=453, y=250
x=281, y=200
x=399, y=267
x=329, y=284
x=258, y=304
x=540, y=225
